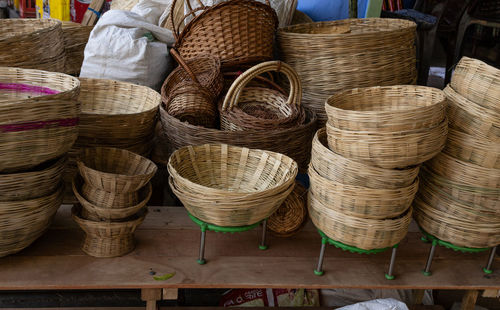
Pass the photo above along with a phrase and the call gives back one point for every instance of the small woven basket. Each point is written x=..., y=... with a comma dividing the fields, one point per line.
x=108, y=239
x=38, y=117
x=75, y=37
x=228, y=185
x=32, y=44
x=337, y=168
x=291, y=215
x=238, y=32
x=106, y=199
x=366, y=234
x=257, y=108
x=115, y=170
x=476, y=150
x=389, y=149
x=386, y=109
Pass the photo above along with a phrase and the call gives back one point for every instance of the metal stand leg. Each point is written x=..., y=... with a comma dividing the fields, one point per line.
x=488, y=269
x=427, y=270
x=263, y=245
x=389, y=275
x=201, y=259
x=319, y=269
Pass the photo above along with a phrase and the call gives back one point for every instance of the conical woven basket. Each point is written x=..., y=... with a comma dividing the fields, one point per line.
x=472, y=149
x=38, y=117
x=104, y=199
x=366, y=234
x=228, y=185
x=340, y=169
x=291, y=215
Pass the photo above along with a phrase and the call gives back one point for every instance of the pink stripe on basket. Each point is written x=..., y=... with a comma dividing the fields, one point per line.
x=28, y=88
x=65, y=122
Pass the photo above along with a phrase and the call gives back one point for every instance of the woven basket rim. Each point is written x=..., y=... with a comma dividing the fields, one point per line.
x=57, y=192
x=76, y=215
x=17, y=36
x=47, y=165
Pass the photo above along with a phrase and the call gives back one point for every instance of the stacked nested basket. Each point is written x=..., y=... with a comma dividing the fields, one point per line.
x=460, y=188
x=38, y=125
x=364, y=166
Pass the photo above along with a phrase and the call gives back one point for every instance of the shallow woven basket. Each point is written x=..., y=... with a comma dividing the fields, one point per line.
x=476, y=150
x=38, y=117
x=37, y=182
x=455, y=230
x=366, y=234
x=294, y=142
x=75, y=37
x=238, y=32
x=337, y=55
x=478, y=82
x=93, y=212
x=340, y=169
x=228, y=185
x=261, y=108
x=291, y=215
x=463, y=172
x=386, y=109
x=106, y=199
x=361, y=201
x=23, y=221
x=108, y=239
x=389, y=149
x=115, y=170
x=32, y=44
x=472, y=118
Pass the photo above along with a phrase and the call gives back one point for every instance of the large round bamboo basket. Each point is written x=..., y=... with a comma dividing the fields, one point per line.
x=389, y=149
x=386, y=109
x=476, y=150
x=228, y=185
x=75, y=37
x=366, y=234
x=38, y=117
x=333, y=56
x=32, y=44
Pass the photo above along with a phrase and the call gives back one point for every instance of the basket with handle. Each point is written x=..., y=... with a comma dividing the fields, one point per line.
x=476, y=150
x=337, y=168
x=38, y=117
x=291, y=215
x=229, y=185
x=261, y=108
x=238, y=32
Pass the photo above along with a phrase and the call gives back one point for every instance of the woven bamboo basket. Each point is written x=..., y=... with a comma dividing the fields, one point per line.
x=106, y=199
x=257, y=108
x=294, y=142
x=115, y=170
x=38, y=117
x=228, y=185
x=387, y=149
x=333, y=56
x=108, y=239
x=358, y=201
x=75, y=37
x=386, y=109
x=463, y=172
x=472, y=118
x=32, y=44
x=340, y=169
x=23, y=221
x=366, y=234
x=291, y=215
x=92, y=212
x=238, y=32
x=455, y=230
x=478, y=151
x=478, y=82
x=300, y=17
x=40, y=181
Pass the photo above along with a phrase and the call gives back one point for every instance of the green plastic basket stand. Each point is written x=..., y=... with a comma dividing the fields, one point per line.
x=327, y=240
x=223, y=229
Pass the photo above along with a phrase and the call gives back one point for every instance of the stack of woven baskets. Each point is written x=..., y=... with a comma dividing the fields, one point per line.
x=38, y=125
x=364, y=166
x=113, y=189
x=460, y=188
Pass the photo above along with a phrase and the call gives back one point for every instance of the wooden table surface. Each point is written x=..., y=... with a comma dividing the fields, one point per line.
x=168, y=242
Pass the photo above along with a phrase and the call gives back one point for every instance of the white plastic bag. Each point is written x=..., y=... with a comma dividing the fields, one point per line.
x=377, y=304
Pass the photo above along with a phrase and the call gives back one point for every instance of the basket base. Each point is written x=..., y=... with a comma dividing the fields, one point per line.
x=108, y=247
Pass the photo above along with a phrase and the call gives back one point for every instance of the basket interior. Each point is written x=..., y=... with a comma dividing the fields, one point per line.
x=116, y=161
x=15, y=27
x=16, y=91
x=271, y=106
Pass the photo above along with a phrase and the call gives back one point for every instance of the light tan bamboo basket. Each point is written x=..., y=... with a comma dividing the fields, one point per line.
x=115, y=170
x=291, y=215
x=386, y=109
x=75, y=37
x=337, y=55
x=472, y=118
x=228, y=185
x=104, y=199
x=386, y=149
x=38, y=117
x=366, y=234
x=476, y=150
x=340, y=169
x=478, y=82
